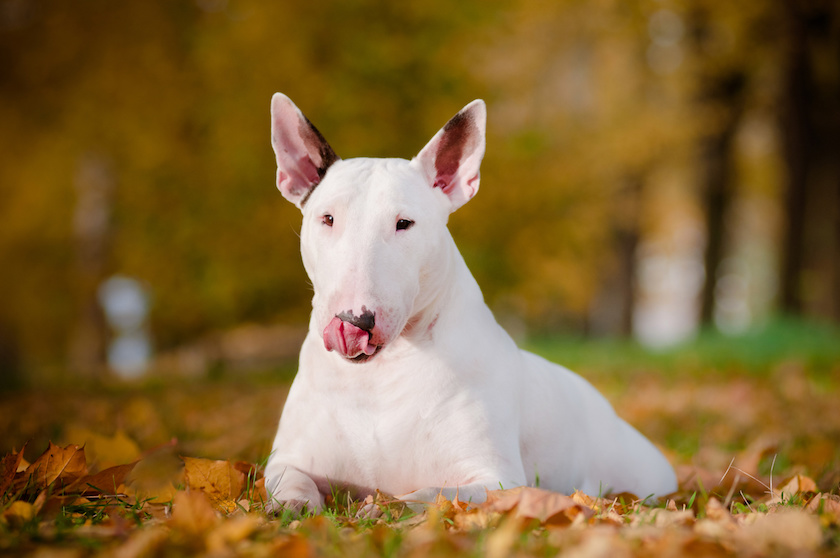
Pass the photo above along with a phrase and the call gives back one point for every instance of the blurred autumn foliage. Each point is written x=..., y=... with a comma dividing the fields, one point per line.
x=623, y=137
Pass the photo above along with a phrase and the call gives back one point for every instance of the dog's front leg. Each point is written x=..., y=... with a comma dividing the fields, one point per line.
x=289, y=488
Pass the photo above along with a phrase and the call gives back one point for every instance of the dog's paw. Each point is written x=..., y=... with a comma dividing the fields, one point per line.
x=296, y=506
x=293, y=491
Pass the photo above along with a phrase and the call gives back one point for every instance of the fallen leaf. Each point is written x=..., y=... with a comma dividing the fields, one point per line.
x=144, y=542
x=827, y=505
x=795, y=485
x=249, y=470
x=18, y=513
x=156, y=475
x=535, y=503
x=715, y=511
x=8, y=468
x=193, y=513
x=56, y=465
x=788, y=530
x=231, y=532
x=104, y=482
x=219, y=480
x=500, y=541
x=104, y=451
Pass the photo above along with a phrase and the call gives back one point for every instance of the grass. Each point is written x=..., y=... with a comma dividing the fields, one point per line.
x=814, y=346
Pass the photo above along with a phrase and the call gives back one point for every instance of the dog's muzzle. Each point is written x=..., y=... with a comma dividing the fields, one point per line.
x=350, y=336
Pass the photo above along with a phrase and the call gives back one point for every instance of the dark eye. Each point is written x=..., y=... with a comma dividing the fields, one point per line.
x=404, y=224
x=327, y=220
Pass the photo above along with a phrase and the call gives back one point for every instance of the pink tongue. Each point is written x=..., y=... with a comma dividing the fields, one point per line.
x=347, y=339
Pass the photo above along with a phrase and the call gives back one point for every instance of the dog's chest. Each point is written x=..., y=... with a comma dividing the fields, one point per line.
x=400, y=436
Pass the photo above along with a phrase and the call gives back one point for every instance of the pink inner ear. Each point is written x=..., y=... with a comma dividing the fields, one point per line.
x=309, y=170
x=444, y=185
x=450, y=149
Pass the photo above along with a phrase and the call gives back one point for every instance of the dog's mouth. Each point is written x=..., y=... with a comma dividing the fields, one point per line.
x=363, y=357
x=349, y=341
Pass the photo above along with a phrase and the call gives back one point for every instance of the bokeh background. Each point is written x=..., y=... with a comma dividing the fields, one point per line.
x=654, y=167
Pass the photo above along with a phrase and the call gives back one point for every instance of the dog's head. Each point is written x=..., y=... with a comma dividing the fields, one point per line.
x=374, y=239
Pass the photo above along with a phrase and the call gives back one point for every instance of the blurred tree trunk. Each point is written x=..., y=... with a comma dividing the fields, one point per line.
x=91, y=226
x=721, y=95
x=10, y=376
x=810, y=125
x=797, y=139
x=716, y=183
x=611, y=313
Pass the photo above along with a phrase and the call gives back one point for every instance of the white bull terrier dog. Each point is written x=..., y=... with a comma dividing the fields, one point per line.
x=406, y=382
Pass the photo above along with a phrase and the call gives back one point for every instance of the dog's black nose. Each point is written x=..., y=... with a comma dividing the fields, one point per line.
x=365, y=321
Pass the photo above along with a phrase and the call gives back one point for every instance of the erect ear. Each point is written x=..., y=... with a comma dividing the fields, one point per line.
x=303, y=155
x=451, y=160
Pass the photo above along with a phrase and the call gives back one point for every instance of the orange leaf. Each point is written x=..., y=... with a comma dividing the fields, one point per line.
x=536, y=503
x=220, y=480
x=796, y=485
x=104, y=482
x=248, y=469
x=193, y=513
x=56, y=465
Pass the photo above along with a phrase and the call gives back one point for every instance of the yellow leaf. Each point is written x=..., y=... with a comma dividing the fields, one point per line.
x=219, y=480
x=232, y=531
x=156, y=494
x=500, y=541
x=193, y=513
x=104, y=451
x=19, y=513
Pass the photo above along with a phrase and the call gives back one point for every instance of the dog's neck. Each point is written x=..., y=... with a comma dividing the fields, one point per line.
x=455, y=296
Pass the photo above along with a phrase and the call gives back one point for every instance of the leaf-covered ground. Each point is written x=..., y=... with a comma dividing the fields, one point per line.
x=173, y=468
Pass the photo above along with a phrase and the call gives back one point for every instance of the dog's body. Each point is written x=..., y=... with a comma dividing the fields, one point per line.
x=406, y=382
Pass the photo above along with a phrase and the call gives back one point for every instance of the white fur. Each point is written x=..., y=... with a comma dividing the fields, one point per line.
x=448, y=403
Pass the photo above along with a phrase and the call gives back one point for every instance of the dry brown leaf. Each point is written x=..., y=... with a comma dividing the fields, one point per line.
x=220, y=480
x=230, y=532
x=193, y=513
x=716, y=512
x=291, y=546
x=59, y=465
x=828, y=505
x=143, y=542
x=8, y=468
x=797, y=484
x=585, y=500
x=107, y=481
x=535, y=503
x=785, y=530
x=501, y=540
x=249, y=470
